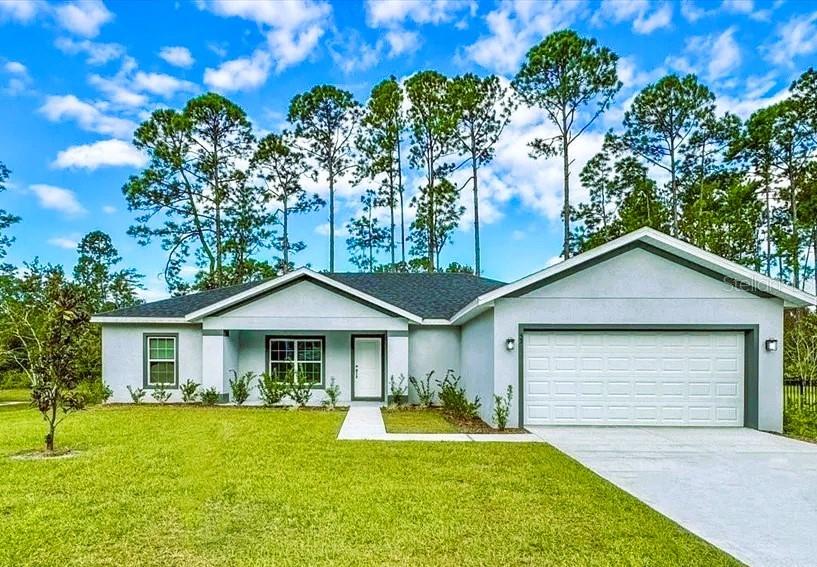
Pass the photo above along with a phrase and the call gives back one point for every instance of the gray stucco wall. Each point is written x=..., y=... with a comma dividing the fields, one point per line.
x=477, y=361
x=638, y=287
x=434, y=348
x=123, y=351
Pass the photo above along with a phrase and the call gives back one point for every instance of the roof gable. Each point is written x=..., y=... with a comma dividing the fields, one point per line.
x=660, y=243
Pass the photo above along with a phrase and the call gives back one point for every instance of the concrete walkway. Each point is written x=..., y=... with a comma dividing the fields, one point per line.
x=752, y=494
x=366, y=423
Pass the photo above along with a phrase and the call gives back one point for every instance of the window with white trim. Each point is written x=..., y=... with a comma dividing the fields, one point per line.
x=161, y=361
x=296, y=354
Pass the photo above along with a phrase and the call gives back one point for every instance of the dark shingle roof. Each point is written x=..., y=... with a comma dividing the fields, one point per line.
x=431, y=296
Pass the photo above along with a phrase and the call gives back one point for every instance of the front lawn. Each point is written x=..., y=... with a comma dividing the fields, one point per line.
x=15, y=395
x=199, y=486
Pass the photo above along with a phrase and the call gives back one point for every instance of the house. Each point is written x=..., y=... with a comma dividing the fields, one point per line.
x=644, y=330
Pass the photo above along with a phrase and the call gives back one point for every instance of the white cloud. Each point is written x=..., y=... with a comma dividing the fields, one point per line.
x=242, y=74
x=718, y=55
x=646, y=16
x=57, y=199
x=796, y=37
x=19, y=79
x=117, y=91
x=97, y=53
x=340, y=229
x=161, y=84
x=16, y=68
x=292, y=27
x=22, y=11
x=105, y=153
x=84, y=17
x=514, y=27
x=67, y=242
x=352, y=54
x=401, y=41
x=109, y=209
x=177, y=56
x=86, y=115
x=390, y=13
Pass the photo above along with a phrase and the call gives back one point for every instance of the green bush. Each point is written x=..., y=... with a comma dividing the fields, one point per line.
x=454, y=400
x=502, y=408
x=423, y=389
x=190, y=391
x=136, y=394
x=160, y=393
x=397, y=391
x=241, y=386
x=14, y=380
x=210, y=396
x=332, y=395
x=94, y=391
x=800, y=420
x=299, y=388
x=271, y=389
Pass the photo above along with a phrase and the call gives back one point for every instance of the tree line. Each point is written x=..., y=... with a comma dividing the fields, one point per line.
x=220, y=196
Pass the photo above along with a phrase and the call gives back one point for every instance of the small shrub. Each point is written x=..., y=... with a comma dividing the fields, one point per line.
x=210, y=396
x=190, y=390
x=453, y=398
x=94, y=391
x=299, y=387
x=271, y=389
x=160, y=393
x=136, y=394
x=502, y=408
x=423, y=389
x=332, y=395
x=800, y=420
x=241, y=386
x=397, y=391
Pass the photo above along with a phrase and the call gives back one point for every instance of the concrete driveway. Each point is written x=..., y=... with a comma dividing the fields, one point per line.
x=752, y=494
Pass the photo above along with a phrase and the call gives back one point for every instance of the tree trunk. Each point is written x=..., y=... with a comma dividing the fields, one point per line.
x=566, y=205
x=285, y=240
x=391, y=213
x=432, y=233
x=768, y=231
x=402, y=208
x=331, y=221
x=674, y=191
x=477, y=268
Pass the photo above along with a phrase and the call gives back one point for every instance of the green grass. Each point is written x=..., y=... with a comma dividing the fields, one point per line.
x=417, y=421
x=800, y=421
x=199, y=486
x=17, y=395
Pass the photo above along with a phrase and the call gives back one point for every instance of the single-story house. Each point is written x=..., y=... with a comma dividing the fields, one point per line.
x=644, y=330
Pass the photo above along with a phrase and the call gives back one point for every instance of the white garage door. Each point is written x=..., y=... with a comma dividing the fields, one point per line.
x=633, y=378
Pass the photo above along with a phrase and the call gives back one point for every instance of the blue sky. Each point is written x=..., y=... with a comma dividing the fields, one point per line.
x=77, y=77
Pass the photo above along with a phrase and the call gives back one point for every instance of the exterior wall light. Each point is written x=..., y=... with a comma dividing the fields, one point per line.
x=510, y=343
x=771, y=345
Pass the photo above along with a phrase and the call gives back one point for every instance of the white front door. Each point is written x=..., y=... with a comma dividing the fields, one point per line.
x=367, y=365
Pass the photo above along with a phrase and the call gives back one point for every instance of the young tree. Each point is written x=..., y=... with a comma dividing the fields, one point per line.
x=435, y=220
x=325, y=119
x=196, y=171
x=104, y=286
x=379, y=146
x=6, y=219
x=48, y=319
x=752, y=147
x=484, y=109
x=432, y=120
x=660, y=123
x=366, y=236
x=282, y=168
x=572, y=79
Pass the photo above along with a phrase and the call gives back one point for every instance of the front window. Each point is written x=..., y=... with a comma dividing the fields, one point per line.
x=161, y=361
x=301, y=355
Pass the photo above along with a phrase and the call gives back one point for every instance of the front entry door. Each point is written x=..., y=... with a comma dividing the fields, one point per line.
x=367, y=368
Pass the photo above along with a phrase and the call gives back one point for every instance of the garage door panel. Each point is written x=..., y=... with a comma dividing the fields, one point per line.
x=636, y=378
